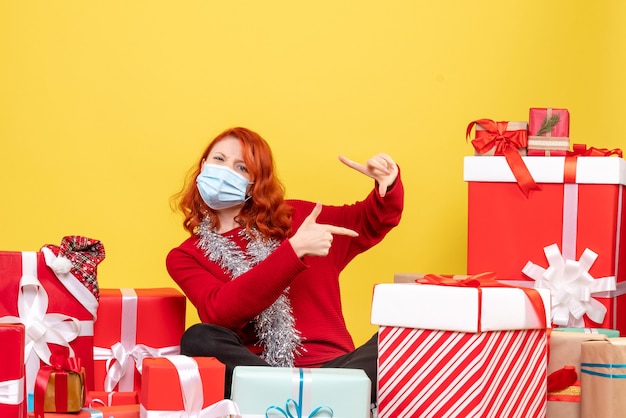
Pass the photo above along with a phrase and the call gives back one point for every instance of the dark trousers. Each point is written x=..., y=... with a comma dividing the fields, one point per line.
x=206, y=340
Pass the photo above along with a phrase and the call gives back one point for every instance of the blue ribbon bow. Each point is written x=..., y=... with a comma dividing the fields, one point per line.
x=297, y=406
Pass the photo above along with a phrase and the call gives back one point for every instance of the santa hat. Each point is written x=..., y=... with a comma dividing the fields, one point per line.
x=79, y=256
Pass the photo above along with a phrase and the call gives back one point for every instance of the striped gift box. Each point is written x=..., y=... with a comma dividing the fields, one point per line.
x=447, y=369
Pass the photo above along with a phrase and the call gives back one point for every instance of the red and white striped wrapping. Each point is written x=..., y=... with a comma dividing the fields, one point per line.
x=486, y=372
x=430, y=373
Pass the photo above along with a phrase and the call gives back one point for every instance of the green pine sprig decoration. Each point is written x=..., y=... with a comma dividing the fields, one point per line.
x=548, y=124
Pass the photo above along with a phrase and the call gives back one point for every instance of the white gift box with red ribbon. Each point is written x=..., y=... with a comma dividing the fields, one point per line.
x=460, y=351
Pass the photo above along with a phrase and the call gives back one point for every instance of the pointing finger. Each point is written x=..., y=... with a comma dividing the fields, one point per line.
x=338, y=230
x=353, y=164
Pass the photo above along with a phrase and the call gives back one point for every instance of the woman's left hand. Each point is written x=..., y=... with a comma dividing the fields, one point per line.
x=380, y=167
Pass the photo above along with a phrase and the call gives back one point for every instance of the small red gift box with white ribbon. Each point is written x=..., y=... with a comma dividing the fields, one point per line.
x=184, y=386
x=134, y=324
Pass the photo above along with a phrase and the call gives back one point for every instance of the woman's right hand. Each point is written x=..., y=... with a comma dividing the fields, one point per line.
x=315, y=239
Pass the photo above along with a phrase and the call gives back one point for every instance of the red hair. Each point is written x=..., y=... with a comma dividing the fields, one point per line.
x=266, y=210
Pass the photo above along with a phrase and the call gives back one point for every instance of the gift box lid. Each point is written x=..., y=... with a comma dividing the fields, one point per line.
x=450, y=308
x=589, y=170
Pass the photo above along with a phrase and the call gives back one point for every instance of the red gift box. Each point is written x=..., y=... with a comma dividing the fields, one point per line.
x=134, y=324
x=180, y=383
x=548, y=131
x=120, y=411
x=546, y=123
x=12, y=383
x=578, y=208
x=98, y=398
x=54, y=294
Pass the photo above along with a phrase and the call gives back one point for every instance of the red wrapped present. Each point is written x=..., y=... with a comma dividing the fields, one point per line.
x=180, y=384
x=96, y=398
x=54, y=293
x=134, y=324
x=60, y=387
x=461, y=349
x=508, y=139
x=569, y=237
x=548, y=131
x=119, y=411
x=12, y=383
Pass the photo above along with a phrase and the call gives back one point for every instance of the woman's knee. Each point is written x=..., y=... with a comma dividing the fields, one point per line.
x=203, y=340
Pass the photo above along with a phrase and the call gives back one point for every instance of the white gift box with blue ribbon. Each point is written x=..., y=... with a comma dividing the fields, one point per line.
x=283, y=392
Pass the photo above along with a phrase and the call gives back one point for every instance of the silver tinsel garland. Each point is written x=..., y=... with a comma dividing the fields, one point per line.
x=275, y=326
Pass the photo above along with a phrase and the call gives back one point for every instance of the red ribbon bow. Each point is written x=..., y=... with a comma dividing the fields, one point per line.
x=581, y=150
x=62, y=365
x=505, y=143
x=562, y=379
x=487, y=279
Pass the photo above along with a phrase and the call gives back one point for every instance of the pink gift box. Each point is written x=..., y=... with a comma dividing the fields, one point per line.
x=134, y=324
x=13, y=396
x=539, y=116
x=542, y=136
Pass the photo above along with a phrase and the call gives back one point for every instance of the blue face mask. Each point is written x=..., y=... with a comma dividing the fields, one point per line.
x=221, y=187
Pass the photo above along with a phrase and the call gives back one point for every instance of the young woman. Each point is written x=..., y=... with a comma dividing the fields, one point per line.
x=262, y=271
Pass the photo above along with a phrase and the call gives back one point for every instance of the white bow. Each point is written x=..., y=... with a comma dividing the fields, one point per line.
x=120, y=361
x=571, y=287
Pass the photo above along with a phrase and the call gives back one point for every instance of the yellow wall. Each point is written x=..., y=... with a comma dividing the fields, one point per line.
x=104, y=105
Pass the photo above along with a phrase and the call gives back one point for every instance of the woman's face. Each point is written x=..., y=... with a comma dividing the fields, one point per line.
x=228, y=152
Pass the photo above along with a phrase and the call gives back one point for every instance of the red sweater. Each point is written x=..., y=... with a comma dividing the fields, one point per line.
x=313, y=281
